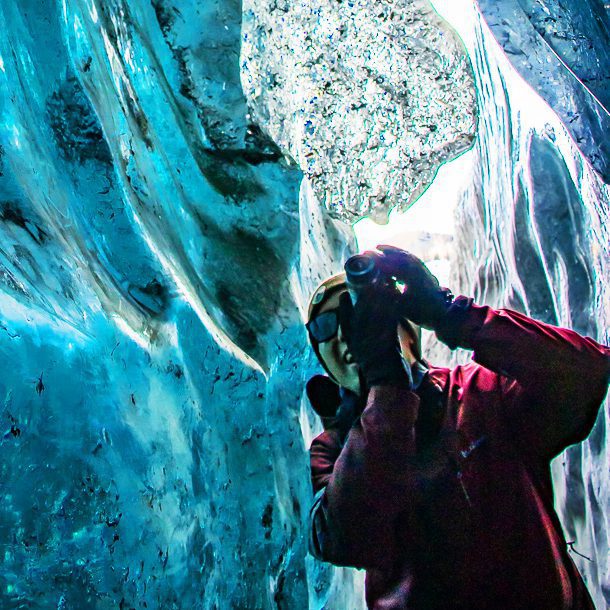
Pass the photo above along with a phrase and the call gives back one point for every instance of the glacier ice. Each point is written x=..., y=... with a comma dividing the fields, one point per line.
x=149, y=326
x=561, y=49
x=343, y=87
x=172, y=179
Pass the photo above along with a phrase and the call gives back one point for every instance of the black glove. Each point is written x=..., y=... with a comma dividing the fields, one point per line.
x=338, y=408
x=424, y=301
x=370, y=329
x=324, y=396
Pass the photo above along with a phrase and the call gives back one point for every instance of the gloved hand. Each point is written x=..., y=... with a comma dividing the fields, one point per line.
x=424, y=301
x=338, y=408
x=324, y=396
x=371, y=331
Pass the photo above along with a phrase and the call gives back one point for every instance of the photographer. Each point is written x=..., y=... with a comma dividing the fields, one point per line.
x=437, y=481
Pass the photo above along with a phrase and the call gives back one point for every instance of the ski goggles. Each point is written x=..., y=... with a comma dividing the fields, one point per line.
x=324, y=327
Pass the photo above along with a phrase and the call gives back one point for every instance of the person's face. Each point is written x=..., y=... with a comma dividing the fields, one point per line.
x=336, y=354
x=340, y=362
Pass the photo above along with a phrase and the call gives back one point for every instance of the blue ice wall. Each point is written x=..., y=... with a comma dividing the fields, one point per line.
x=151, y=347
x=561, y=50
x=158, y=244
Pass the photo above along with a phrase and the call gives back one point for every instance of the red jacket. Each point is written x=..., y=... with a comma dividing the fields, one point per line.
x=463, y=518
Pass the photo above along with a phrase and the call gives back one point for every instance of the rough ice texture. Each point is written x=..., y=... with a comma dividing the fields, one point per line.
x=561, y=50
x=156, y=246
x=368, y=98
x=153, y=257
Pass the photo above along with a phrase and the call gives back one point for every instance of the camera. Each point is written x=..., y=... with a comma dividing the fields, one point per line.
x=362, y=274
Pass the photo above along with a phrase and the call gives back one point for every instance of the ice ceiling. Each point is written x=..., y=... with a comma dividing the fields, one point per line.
x=175, y=177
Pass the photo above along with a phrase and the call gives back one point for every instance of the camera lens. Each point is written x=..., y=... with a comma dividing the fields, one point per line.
x=360, y=270
x=361, y=274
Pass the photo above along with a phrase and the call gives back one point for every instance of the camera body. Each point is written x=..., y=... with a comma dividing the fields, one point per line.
x=363, y=274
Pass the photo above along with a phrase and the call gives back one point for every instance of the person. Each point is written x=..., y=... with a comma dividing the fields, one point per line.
x=435, y=481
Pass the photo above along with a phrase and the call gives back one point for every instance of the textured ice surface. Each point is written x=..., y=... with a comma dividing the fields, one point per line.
x=561, y=49
x=157, y=248
x=345, y=87
x=149, y=265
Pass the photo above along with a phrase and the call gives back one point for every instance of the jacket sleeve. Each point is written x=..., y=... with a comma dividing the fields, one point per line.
x=556, y=379
x=362, y=486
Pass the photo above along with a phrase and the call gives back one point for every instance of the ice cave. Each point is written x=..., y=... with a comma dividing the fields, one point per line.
x=176, y=176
